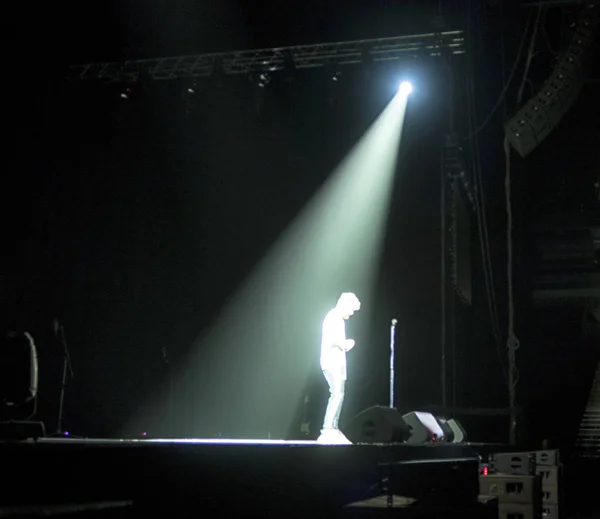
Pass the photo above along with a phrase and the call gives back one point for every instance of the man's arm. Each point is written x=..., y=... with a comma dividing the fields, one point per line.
x=348, y=344
x=344, y=345
x=333, y=334
x=341, y=344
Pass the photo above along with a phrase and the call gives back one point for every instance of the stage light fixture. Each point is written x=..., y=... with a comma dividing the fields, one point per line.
x=18, y=387
x=405, y=88
x=264, y=79
x=19, y=373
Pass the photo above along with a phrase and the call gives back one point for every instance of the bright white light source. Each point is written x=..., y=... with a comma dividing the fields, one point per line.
x=405, y=88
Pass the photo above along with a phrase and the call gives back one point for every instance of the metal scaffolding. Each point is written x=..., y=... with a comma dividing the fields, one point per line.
x=271, y=60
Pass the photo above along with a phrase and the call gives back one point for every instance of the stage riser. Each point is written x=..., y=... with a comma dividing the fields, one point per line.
x=316, y=476
x=455, y=483
x=424, y=512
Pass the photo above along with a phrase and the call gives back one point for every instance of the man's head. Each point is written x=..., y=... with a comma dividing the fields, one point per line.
x=347, y=304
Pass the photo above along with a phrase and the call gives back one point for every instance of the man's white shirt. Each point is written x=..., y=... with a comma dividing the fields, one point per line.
x=333, y=337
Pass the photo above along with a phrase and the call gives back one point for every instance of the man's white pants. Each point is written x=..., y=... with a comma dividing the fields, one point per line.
x=337, y=384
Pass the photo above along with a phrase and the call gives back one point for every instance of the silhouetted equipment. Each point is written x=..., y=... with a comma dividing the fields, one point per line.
x=460, y=251
x=59, y=334
x=378, y=424
x=595, y=310
x=424, y=427
x=542, y=113
x=564, y=261
x=453, y=430
x=18, y=370
x=18, y=387
x=588, y=438
x=522, y=463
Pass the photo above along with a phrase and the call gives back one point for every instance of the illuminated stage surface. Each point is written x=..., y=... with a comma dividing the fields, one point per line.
x=234, y=478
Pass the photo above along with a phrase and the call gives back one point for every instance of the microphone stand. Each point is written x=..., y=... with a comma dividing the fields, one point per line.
x=392, y=352
x=60, y=335
x=169, y=428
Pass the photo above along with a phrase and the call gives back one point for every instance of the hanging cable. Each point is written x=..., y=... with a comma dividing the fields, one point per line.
x=508, y=81
x=530, y=54
x=486, y=254
x=480, y=208
x=512, y=342
x=545, y=33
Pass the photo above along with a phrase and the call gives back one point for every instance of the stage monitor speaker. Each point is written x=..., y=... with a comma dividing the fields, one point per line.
x=424, y=427
x=377, y=424
x=460, y=435
x=453, y=430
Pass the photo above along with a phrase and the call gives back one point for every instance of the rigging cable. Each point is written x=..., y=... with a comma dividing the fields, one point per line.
x=512, y=342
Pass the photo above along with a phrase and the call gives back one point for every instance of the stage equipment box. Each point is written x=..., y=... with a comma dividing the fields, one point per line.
x=522, y=463
x=550, y=495
x=550, y=511
x=512, y=488
x=519, y=511
x=549, y=475
x=551, y=458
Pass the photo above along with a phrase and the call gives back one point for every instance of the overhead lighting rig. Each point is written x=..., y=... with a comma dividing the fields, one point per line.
x=275, y=59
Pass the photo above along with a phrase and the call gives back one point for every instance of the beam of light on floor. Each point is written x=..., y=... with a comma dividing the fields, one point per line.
x=244, y=377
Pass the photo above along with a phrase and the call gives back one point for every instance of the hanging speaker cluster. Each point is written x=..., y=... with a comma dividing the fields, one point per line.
x=379, y=424
x=540, y=115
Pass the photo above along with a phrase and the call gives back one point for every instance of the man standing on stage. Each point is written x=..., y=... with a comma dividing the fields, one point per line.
x=334, y=346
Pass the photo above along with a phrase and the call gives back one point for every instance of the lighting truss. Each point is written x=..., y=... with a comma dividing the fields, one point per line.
x=556, y=3
x=271, y=60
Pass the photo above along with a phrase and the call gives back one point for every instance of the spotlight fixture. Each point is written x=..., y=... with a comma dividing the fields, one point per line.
x=264, y=79
x=18, y=387
x=19, y=373
x=405, y=88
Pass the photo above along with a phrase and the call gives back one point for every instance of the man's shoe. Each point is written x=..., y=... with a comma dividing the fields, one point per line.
x=328, y=437
x=333, y=437
x=342, y=440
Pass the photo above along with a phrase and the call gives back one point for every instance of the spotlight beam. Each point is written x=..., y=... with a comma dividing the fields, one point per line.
x=245, y=375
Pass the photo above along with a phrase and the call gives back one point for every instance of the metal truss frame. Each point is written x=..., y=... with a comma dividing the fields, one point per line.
x=557, y=3
x=275, y=59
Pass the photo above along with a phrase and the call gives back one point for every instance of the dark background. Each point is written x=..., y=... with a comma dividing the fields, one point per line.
x=132, y=222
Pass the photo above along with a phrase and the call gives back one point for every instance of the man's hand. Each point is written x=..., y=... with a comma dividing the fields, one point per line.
x=348, y=344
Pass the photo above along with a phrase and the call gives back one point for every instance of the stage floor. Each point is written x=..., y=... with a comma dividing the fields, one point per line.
x=242, y=478
x=222, y=473
x=72, y=440
x=172, y=441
